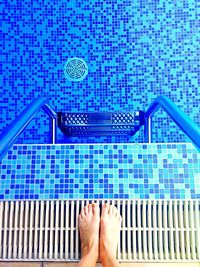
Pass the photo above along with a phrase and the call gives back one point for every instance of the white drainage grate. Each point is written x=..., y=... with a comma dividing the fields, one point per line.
x=152, y=230
x=75, y=69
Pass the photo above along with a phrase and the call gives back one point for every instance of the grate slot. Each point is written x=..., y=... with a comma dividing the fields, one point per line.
x=182, y=237
x=176, y=223
x=5, y=232
x=144, y=223
x=61, y=246
x=72, y=231
x=66, y=230
x=57, y=229
x=10, y=230
x=46, y=231
x=197, y=226
x=76, y=230
x=166, y=240
x=171, y=232
x=129, y=231
x=187, y=231
x=192, y=237
x=155, y=230
x=134, y=230
x=17, y=238
x=41, y=229
x=150, y=230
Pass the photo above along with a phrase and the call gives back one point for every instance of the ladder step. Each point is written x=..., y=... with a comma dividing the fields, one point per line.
x=100, y=123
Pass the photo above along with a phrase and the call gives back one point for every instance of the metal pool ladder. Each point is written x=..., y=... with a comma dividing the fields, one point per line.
x=98, y=123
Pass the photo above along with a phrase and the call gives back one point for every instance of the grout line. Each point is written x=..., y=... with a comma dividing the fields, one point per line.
x=83, y=144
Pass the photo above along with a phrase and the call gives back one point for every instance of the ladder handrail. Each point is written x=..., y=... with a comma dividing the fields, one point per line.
x=184, y=122
x=17, y=126
x=13, y=130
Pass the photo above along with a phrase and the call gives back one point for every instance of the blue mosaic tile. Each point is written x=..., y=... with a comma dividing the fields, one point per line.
x=135, y=51
x=101, y=171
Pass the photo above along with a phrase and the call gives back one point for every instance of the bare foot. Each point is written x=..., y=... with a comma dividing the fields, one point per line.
x=89, y=230
x=109, y=231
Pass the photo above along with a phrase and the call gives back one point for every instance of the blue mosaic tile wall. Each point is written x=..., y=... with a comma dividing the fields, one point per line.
x=125, y=171
x=135, y=51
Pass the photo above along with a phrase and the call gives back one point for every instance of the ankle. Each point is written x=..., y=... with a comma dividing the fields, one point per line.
x=106, y=254
x=107, y=259
x=88, y=259
x=90, y=250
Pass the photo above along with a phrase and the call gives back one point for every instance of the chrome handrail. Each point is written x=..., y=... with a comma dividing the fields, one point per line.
x=178, y=116
x=13, y=130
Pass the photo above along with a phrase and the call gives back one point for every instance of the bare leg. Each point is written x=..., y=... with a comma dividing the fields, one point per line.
x=89, y=233
x=109, y=235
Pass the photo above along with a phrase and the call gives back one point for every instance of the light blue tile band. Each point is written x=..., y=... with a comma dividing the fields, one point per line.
x=101, y=171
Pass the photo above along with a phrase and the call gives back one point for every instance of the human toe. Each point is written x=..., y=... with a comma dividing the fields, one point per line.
x=105, y=209
x=95, y=209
